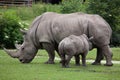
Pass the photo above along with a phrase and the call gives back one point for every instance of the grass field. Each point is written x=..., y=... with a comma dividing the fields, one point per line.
x=12, y=69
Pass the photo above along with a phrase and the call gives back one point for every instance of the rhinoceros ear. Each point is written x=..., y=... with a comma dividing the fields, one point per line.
x=23, y=31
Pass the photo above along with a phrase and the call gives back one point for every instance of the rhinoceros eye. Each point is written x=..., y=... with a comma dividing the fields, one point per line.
x=22, y=48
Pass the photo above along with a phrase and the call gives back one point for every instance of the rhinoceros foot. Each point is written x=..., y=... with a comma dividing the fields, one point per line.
x=96, y=63
x=111, y=64
x=84, y=65
x=49, y=62
x=78, y=64
x=65, y=66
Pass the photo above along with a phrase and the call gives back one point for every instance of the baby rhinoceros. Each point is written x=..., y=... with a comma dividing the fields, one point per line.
x=74, y=46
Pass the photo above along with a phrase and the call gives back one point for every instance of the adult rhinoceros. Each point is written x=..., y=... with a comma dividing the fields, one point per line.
x=50, y=28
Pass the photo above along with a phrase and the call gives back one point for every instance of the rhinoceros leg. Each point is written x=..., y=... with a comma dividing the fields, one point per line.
x=83, y=59
x=99, y=57
x=50, y=49
x=104, y=50
x=63, y=60
x=68, y=58
x=108, y=55
x=56, y=48
x=77, y=60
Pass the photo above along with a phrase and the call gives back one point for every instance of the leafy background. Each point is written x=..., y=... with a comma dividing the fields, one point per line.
x=14, y=18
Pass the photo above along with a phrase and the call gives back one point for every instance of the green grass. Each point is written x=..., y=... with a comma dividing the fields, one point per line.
x=12, y=69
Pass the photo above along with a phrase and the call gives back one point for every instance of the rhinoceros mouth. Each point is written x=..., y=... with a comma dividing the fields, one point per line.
x=25, y=60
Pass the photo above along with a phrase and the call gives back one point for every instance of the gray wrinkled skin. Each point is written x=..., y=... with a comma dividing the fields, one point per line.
x=73, y=46
x=50, y=28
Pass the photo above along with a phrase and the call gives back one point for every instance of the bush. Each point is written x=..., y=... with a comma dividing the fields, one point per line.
x=70, y=6
x=38, y=9
x=25, y=13
x=115, y=39
x=28, y=13
x=109, y=10
x=9, y=29
x=53, y=8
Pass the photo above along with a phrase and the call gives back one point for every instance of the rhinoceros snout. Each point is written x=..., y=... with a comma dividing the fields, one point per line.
x=21, y=60
x=25, y=60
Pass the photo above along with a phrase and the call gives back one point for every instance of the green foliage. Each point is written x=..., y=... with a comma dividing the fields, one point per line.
x=25, y=13
x=38, y=9
x=9, y=28
x=28, y=13
x=109, y=10
x=69, y=6
x=53, y=8
x=115, y=39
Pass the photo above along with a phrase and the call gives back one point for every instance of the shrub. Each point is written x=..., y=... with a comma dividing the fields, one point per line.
x=38, y=9
x=9, y=29
x=115, y=39
x=53, y=8
x=70, y=6
x=28, y=13
x=25, y=13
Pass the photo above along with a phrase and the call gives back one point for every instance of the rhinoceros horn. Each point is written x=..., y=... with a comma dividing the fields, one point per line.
x=13, y=54
x=17, y=46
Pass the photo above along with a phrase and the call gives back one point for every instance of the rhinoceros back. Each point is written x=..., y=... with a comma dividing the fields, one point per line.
x=78, y=24
x=54, y=27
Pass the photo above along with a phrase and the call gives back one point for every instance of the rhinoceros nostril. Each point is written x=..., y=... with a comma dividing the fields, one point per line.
x=20, y=60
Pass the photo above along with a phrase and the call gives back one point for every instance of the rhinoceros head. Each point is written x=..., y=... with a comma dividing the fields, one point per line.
x=25, y=52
